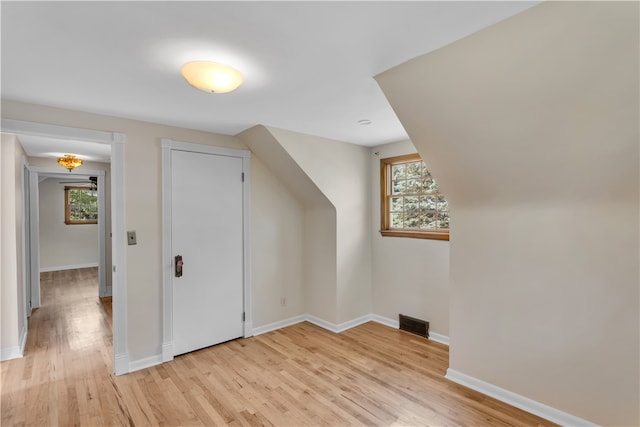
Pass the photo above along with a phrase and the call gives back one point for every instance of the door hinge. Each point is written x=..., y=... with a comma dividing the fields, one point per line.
x=242, y=176
x=244, y=317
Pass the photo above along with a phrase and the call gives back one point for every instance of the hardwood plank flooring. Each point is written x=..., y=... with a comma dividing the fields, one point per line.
x=302, y=375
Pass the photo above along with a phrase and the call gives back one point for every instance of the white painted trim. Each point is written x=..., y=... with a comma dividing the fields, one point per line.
x=353, y=323
x=167, y=145
x=119, y=256
x=102, y=238
x=23, y=338
x=121, y=363
x=26, y=239
x=17, y=351
x=385, y=321
x=322, y=323
x=442, y=339
x=166, y=265
x=246, y=241
x=10, y=353
x=147, y=362
x=67, y=267
x=34, y=234
x=337, y=328
x=513, y=399
x=54, y=131
x=279, y=325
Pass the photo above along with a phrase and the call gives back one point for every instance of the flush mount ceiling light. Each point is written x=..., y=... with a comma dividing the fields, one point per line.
x=69, y=161
x=211, y=76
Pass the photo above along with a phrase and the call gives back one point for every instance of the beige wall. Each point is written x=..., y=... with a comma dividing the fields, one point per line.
x=409, y=276
x=13, y=328
x=277, y=255
x=531, y=126
x=317, y=235
x=341, y=172
x=330, y=179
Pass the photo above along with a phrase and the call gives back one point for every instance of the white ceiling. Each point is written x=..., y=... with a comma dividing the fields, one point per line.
x=308, y=66
x=39, y=146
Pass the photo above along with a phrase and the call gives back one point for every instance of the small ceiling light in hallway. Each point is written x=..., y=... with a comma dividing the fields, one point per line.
x=69, y=161
x=211, y=76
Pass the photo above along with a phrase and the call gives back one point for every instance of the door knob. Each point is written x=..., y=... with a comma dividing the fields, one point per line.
x=178, y=263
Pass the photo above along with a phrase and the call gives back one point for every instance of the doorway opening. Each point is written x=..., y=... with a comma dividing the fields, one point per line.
x=49, y=138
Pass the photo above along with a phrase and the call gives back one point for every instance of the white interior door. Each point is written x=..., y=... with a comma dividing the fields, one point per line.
x=207, y=231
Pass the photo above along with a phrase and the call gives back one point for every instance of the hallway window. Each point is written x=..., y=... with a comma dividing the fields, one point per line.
x=411, y=202
x=81, y=205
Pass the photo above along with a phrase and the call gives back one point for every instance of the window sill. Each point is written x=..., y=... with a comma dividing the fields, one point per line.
x=80, y=222
x=433, y=235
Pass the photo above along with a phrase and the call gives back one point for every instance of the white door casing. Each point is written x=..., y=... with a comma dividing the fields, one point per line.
x=205, y=219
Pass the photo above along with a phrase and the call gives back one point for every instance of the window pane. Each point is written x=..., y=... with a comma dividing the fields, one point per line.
x=443, y=206
x=416, y=186
x=83, y=204
x=443, y=220
x=397, y=219
x=415, y=219
x=413, y=170
x=399, y=187
x=429, y=184
x=430, y=221
x=397, y=204
x=398, y=172
x=430, y=202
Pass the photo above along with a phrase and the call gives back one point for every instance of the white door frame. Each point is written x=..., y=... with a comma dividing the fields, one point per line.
x=26, y=239
x=118, y=228
x=167, y=260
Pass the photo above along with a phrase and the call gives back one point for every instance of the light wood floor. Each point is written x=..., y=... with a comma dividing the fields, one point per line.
x=298, y=376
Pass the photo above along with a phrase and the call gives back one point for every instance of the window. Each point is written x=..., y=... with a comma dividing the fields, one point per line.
x=412, y=205
x=80, y=205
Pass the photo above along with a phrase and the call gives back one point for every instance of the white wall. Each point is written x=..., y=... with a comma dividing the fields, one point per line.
x=409, y=276
x=12, y=309
x=531, y=127
x=63, y=246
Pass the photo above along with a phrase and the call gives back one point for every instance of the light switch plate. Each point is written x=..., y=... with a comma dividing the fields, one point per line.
x=131, y=238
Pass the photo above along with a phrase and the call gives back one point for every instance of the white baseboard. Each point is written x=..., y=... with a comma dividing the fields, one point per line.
x=23, y=338
x=10, y=353
x=442, y=339
x=385, y=321
x=67, y=267
x=278, y=325
x=337, y=328
x=167, y=352
x=121, y=364
x=17, y=351
x=513, y=399
x=147, y=362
